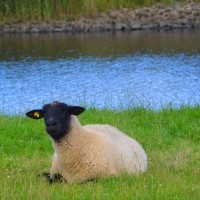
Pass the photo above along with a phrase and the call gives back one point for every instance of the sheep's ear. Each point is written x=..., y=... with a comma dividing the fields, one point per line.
x=76, y=110
x=35, y=114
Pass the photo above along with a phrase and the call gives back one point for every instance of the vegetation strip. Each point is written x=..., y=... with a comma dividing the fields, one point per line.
x=170, y=137
x=158, y=17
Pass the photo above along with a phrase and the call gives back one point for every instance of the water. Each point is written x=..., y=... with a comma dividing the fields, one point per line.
x=152, y=69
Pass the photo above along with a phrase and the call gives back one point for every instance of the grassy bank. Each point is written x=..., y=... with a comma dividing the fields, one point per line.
x=171, y=139
x=26, y=10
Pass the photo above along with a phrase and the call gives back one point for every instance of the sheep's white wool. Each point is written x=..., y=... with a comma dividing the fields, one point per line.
x=95, y=151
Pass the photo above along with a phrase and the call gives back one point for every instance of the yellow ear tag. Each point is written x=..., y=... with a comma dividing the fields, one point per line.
x=36, y=114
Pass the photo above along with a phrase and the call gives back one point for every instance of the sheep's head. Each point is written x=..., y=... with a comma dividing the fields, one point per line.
x=56, y=117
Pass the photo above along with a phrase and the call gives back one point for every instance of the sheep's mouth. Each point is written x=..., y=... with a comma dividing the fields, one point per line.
x=52, y=130
x=55, y=132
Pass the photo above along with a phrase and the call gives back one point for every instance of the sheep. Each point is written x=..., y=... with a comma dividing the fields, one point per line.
x=90, y=152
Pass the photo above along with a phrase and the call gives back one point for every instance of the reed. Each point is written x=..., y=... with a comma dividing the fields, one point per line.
x=28, y=10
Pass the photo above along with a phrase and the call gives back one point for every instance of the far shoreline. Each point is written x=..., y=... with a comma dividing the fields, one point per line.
x=156, y=17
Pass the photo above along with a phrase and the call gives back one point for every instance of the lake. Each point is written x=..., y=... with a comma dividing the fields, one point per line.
x=154, y=69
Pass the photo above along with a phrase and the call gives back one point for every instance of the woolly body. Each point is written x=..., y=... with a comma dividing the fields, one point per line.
x=95, y=151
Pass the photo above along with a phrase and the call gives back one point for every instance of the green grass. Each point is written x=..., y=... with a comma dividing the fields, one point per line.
x=26, y=10
x=170, y=137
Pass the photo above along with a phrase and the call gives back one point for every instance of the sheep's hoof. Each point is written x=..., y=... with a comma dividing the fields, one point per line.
x=56, y=177
x=48, y=177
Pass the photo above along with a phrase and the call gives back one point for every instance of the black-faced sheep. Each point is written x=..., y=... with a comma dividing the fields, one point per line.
x=84, y=153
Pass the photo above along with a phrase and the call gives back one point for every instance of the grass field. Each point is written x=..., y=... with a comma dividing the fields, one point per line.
x=170, y=137
x=45, y=10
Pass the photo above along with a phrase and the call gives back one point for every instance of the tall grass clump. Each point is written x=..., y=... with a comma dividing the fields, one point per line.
x=171, y=138
x=26, y=10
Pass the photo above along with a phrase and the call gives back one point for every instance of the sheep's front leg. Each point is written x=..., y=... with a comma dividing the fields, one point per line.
x=54, y=175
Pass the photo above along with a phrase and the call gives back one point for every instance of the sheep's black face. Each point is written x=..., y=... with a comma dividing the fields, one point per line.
x=56, y=117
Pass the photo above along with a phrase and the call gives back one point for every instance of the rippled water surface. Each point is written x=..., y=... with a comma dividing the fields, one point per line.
x=152, y=69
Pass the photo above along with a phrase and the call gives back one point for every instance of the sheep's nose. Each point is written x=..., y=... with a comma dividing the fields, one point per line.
x=51, y=122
